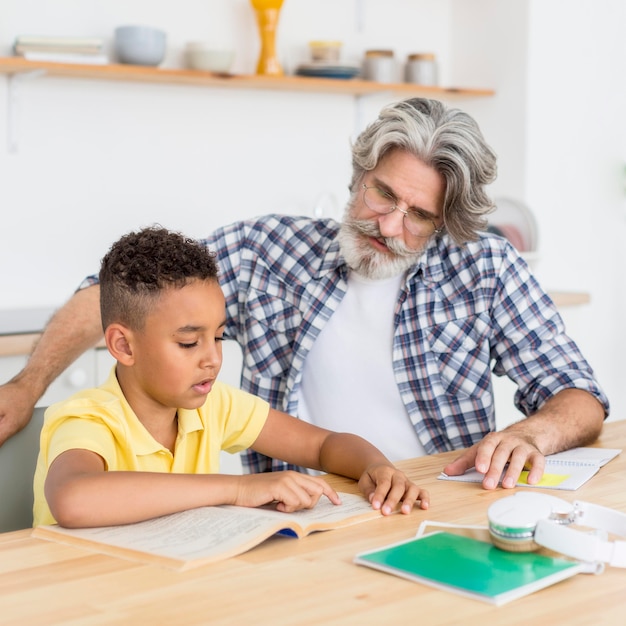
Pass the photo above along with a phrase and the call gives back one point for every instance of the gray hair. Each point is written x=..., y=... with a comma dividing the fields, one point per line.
x=449, y=141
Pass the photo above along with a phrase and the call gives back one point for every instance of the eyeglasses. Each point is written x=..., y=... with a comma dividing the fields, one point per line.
x=383, y=203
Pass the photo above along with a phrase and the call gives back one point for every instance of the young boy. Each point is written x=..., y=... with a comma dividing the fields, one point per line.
x=147, y=442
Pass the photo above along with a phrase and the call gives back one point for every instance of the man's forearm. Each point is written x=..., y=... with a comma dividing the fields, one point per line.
x=73, y=329
x=571, y=418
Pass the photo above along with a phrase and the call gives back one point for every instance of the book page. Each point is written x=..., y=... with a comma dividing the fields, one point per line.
x=209, y=533
x=325, y=514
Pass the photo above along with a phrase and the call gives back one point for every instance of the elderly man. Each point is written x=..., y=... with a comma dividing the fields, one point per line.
x=390, y=324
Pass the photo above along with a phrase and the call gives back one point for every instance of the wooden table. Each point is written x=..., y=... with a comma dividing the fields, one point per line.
x=304, y=581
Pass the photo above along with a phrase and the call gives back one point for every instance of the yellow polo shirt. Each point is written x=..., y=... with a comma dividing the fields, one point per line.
x=102, y=421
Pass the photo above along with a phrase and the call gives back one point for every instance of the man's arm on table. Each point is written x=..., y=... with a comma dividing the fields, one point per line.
x=73, y=329
x=571, y=418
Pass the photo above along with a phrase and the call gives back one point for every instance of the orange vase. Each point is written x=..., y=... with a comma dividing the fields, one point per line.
x=267, y=14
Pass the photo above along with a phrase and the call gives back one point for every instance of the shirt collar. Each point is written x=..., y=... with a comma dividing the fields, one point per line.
x=332, y=261
x=430, y=264
x=189, y=421
x=143, y=442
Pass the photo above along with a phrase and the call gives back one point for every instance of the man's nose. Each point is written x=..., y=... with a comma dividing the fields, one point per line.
x=391, y=224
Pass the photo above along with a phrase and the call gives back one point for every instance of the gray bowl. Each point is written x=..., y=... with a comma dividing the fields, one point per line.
x=139, y=45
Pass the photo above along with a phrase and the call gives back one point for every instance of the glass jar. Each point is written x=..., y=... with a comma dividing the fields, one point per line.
x=380, y=66
x=421, y=69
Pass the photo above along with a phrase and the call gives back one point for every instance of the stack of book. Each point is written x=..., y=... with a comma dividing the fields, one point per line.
x=88, y=50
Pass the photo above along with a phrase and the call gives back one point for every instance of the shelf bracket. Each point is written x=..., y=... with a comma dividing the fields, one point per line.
x=14, y=81
x=359, y=114
x=360, y=16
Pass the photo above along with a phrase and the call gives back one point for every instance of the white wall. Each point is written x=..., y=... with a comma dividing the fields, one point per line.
x=97, y=159
x=576, y=159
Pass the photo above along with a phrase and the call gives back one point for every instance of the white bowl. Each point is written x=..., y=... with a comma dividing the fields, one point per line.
x=205, y=57
x=139, y=45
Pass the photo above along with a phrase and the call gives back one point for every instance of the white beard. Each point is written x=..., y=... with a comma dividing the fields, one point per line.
x=368, y=261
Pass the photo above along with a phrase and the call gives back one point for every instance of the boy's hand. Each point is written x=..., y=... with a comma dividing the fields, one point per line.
x=386, y=486
x=292, y=490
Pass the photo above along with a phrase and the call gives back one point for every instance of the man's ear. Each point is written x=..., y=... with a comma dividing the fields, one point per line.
x=119, y=340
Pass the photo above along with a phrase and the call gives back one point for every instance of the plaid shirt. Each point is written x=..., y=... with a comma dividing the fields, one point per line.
x=462, y=314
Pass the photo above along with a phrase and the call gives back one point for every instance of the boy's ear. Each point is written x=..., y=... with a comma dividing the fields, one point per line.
x=119, y=342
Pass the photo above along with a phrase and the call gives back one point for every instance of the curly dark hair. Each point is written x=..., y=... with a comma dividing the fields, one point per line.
x=140, y=265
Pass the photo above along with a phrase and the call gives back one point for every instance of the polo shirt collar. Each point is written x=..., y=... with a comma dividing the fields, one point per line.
x=189, y=421
x=143, y=442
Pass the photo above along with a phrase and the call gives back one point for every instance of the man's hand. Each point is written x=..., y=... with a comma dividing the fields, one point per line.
x=74, y=328
x=491, y=456
x=16, y=409
x=386, y=486
x=571, y=418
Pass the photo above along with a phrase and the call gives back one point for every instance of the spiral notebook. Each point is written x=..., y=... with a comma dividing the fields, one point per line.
x=566, y=470
x=469, y=567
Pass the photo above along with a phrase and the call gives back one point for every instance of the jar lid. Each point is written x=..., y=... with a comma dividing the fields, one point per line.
x=379, y=53
x=325, y=44
x=421, y=56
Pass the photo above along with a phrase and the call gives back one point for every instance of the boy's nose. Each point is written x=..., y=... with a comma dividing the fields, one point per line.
x=212, y=358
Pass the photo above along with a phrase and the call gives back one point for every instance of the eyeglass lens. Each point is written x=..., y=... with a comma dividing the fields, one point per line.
x=381, y=202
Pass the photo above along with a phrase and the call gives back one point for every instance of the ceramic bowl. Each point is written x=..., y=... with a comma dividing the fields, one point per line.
x=139, y=45
x=208, y=58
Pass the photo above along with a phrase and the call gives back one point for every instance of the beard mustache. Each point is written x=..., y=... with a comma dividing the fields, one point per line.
x=368, y=261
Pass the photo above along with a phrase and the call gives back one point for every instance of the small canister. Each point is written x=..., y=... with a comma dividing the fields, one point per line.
x=380, y=66
x=325, y=51
x=421, y=69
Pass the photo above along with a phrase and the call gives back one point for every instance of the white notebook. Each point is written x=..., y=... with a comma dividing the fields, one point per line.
x=566, y=470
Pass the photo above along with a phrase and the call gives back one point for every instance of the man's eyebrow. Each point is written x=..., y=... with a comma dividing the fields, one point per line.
x=384, y=186
x=387, y=189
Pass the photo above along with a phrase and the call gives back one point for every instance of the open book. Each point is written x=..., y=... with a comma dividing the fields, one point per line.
x=469, y=567
x=565, y=470
x=199, y=536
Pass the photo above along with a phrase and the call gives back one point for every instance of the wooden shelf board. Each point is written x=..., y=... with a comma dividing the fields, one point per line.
x=22, y=344
x=136, y=73
x=569, y=298
x=17, y=345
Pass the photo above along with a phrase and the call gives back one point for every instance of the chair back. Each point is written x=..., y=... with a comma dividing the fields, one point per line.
x=18, y=457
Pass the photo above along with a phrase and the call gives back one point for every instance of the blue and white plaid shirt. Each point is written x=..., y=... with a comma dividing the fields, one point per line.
x=462, y=313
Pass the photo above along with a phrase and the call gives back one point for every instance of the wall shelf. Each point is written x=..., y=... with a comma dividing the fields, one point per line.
x=135, y=73
x=569, y=298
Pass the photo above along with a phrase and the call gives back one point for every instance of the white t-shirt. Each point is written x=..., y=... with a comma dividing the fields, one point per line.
x=348, y=382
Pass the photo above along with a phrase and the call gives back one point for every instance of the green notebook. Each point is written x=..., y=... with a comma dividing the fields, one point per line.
x=469, y=567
